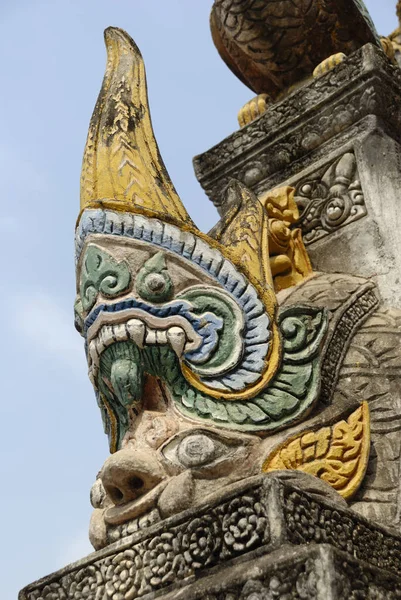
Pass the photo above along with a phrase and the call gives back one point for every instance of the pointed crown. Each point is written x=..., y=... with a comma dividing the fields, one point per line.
x=122, y=168
x=123, y=171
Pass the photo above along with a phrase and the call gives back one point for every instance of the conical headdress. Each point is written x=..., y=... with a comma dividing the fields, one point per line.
x=122, y=167
x=123, y=171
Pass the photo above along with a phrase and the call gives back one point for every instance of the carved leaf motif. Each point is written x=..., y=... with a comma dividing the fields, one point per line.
x=101, y=273
x=338, y=455
x=291, y=393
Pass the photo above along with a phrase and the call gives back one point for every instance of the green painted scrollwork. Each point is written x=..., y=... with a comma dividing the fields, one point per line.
x=229, y=348
x=101, y=273
x=289, y=396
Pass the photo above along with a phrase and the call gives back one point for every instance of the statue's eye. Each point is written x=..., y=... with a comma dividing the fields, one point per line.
x=200, y=449
x=153, y=281
x=196, y=450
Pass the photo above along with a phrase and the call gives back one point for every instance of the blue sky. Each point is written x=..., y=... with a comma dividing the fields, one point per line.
x=52, y=65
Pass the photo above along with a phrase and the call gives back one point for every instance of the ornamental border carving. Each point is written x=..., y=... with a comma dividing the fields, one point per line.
x=365, y=84
x=261, y=514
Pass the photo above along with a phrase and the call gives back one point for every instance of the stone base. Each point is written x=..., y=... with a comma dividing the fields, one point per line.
x=316, y=571
x=260, y=540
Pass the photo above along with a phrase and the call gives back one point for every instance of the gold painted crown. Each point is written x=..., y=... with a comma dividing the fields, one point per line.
x=123, y=171
x=122, y=168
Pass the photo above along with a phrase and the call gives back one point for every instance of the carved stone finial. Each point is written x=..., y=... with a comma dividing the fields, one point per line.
x=247, y=399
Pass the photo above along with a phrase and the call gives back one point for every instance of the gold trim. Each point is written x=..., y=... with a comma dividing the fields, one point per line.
x=289, y=259
x=337, y=454
x=122, y=163
x=113, y=425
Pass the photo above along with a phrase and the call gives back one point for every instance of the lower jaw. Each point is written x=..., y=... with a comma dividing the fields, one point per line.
x=117, y=532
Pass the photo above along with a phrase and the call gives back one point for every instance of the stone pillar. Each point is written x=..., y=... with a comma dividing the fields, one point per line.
x=336, y=140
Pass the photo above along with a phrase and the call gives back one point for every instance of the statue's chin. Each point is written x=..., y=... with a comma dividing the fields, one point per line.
x=168, y=498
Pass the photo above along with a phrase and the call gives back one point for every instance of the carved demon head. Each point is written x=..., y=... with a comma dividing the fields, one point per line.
x=192, y=361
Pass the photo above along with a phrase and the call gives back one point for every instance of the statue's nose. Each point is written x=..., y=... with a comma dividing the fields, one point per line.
x=129, y=474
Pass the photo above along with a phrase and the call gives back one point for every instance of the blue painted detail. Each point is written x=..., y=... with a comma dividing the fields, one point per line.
x=206, y=325
x=238, y=380
x=189, y=246
x=257, y=330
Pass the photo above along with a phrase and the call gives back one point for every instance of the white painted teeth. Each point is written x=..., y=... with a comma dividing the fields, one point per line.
x=136, y=330
x=93, y=351
x=150, y=337
x=140, y=334
x=161, y=337
x=176, y=338
x=120, y=333
x=108, y=335
x=105, y=338
x=156, y=337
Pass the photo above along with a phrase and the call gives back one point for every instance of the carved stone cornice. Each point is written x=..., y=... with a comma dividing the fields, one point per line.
x=365, y=84
x=258, y=531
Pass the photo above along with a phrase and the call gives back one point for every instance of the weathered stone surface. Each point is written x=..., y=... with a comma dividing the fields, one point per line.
x=336, y=140
x=276, y=146
x=263, y=535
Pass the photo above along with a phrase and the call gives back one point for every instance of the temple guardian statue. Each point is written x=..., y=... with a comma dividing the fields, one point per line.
x=249, y=378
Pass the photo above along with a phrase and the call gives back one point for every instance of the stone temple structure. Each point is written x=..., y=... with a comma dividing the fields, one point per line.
x=249, y=379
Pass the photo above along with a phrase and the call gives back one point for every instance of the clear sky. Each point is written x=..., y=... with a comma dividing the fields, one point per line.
x=53, y=58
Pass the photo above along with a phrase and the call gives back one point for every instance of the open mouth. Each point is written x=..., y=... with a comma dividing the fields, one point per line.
x=142, y=329
x=116, y=515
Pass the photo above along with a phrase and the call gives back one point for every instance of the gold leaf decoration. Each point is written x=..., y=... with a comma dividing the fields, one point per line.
x=289, y=260
x=122, y=168
x=244, y=230
x=337, y=454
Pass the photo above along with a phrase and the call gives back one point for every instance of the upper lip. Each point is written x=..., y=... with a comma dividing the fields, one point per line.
x=193, y=339
x=115, y=515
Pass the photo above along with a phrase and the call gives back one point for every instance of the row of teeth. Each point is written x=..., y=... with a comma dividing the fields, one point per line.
x=116, y=532
x=140, y=334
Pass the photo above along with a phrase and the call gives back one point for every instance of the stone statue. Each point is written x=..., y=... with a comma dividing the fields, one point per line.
x=249, y=390
x=268, y=44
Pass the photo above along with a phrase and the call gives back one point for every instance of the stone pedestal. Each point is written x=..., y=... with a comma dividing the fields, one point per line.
x=336, y=140
x=261, y=539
